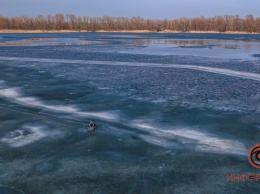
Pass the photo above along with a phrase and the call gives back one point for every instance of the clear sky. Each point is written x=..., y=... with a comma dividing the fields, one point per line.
x=154, y=9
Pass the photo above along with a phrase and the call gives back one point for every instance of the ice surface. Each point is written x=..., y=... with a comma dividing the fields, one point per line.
x=175, y=113
x=214, y=88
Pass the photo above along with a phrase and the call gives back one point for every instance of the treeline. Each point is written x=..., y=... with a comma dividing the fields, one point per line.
x=107, y=23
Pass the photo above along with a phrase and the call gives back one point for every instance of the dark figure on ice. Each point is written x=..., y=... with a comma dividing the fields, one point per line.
x=92, y=125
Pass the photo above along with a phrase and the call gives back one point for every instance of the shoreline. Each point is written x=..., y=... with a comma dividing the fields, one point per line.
x=120, y=31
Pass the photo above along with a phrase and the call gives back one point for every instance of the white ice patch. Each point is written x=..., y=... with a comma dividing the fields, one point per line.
x=15, y=96
x=227, y=72
x=24, y=136
x=106, y=115
x=104, y=88
x=12, y=94
x=209, y=142
x=158, y=141
x=159, y=101
x=200, y=141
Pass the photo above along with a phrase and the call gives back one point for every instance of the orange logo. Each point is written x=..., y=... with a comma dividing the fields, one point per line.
x=254, y=156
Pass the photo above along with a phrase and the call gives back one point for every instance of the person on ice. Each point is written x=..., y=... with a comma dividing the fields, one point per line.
x=92, y=125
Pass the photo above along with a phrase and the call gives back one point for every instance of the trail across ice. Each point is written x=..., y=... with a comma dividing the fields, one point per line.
x=12, y=94
x=222, y=71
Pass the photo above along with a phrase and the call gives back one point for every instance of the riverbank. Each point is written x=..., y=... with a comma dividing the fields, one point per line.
x=125, y=31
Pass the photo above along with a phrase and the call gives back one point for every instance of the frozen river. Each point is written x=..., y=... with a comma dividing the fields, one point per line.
x=175, y=113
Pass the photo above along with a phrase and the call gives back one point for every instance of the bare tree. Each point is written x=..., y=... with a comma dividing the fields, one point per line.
x=108, y=23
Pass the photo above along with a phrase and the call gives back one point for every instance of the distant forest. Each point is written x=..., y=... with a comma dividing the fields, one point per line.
x=71, y=22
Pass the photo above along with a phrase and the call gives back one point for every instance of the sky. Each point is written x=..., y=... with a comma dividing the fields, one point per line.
x=148, y=9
